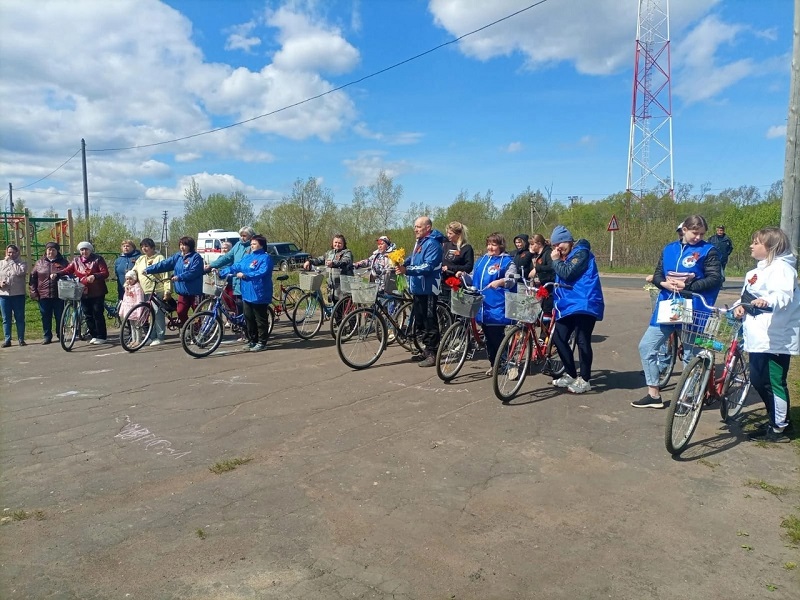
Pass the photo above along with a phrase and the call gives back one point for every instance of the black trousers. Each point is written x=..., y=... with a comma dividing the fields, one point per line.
x=256, y=318
x=494, y=337
x=582, y=325
x=424, y=310
x=94, y=309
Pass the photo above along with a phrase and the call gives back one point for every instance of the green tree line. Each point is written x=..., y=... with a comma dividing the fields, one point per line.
x=309, y=216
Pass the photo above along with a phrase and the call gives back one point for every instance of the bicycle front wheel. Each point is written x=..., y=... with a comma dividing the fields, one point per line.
x=452, y=352
x=511, y=363
x=137, y=326
x=687, y=403
x=735, y=388
x=361, y=338
x=69, y=326
x=307, y=316
x=201, y=334
x=290, y=299
x=667, y=355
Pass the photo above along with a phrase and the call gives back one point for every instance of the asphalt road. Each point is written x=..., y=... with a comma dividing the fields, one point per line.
x=383, y=483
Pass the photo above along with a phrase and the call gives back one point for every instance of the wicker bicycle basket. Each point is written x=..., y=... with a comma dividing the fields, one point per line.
x=465, y=304
x=363, y=292
x=311, y=282
x=70, y=289
x=713, y=331
x=521, y=307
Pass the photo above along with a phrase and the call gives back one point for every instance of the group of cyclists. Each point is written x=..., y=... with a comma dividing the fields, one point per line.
x=438, y=265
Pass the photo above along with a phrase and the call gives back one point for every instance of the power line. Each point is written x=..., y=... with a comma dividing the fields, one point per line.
x=331, y=91
x=48, y=175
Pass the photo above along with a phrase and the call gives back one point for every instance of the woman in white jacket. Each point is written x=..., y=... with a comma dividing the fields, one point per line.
x=773, y=337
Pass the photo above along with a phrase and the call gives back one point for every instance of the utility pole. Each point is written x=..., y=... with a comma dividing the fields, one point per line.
x=164, y=236
x=85, y=192
x=790, y=208
x=10, y=198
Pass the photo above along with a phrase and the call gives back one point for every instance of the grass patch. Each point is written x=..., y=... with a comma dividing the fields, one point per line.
x=224, y=466
x=790, y=566
x=792, y=526
x=775, y=490
x=39, y=515
x=201, y=534
x=20, y=515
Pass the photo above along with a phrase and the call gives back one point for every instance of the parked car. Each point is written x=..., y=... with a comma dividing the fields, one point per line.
x=286, y=255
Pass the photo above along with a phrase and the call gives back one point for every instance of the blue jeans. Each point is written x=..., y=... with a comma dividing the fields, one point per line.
x=650, y=348
x=49, y=308
x=13, y=306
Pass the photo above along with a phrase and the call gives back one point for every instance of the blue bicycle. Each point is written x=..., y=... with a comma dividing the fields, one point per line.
x=202, y=333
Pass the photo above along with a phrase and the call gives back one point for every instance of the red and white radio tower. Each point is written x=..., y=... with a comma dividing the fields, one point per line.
x=650, y=148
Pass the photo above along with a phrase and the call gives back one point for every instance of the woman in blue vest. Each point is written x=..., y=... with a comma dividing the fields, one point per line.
x=187, y=276
x=578, y=306
x=493, y=275
x=698, y=263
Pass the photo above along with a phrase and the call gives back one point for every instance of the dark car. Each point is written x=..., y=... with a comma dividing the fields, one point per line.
x=287, y=255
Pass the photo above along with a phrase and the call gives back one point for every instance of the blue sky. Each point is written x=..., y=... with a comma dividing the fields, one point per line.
x=541, y=100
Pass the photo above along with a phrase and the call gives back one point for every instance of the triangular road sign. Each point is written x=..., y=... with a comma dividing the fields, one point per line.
x=612, y=224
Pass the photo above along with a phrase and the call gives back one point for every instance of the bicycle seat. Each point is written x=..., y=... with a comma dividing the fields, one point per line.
x=282, y=277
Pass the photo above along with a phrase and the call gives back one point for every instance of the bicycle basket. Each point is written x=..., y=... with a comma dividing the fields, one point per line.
x=70, y=289
x=714, y=331
x=347, y=280
x=521, y=307
x=465, y=304
x=311, y=282
x=654, y=292
x=364, y=293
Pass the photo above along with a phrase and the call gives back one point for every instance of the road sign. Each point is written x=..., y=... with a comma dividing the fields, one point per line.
x=613, y=225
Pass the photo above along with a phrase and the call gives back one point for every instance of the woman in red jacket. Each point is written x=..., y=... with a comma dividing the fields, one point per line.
x=92, y=271
x=44, y=289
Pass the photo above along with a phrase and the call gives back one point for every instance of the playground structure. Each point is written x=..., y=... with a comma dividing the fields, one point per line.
x=31, y=234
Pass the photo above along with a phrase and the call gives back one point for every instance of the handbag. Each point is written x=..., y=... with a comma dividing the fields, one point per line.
x=675, y=310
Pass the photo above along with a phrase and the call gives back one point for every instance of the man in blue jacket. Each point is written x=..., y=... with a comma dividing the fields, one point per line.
x=423, y=269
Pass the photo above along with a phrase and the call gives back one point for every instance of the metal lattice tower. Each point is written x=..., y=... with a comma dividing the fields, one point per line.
x=650, y=147
x=164, y=236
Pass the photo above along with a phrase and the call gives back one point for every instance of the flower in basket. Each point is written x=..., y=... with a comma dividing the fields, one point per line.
x=542, y=293
x=453, y=283
x=396, y=258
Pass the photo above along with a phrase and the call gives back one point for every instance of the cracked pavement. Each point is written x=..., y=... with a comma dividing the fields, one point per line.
x=383, y=483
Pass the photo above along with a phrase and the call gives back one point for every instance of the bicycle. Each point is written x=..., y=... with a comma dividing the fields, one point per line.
x=73, y=321
x=311, y=310
x=529, y=344
x=112, y=312
x=463, y=338
x=202, y=333
x=712, y=331
x=284, y=300
x=364, y=333
x=137, y=326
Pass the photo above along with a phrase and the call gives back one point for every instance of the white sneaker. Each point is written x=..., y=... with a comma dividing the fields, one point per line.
x=579, y=386
x=512, y=373
x=155, y=342
x=93, y=341
x=564, y=381
x=99, y=341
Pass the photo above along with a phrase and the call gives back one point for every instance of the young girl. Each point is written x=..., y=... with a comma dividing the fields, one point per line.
x=132, y=295
x=773, y=337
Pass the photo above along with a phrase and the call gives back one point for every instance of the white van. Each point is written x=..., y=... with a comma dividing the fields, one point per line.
x=209, y=246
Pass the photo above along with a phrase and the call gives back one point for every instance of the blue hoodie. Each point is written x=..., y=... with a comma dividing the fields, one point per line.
x=233, y=256
x=579, y=270
x=489, y=269
x=188, y=272
x=257, y=281
x=424, y=266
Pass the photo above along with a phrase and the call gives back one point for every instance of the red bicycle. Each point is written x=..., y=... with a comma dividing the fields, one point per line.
x=712, y=334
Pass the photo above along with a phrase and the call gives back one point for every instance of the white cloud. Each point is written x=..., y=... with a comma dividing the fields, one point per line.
x=597, y=36
x=776, y=131
x=211, y=183
x=366, y=167
x=240, y=38
x=405, y=138
x=514, y=147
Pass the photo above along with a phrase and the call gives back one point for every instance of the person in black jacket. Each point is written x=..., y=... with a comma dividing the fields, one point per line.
x=457, y=255
x=523, y=257
x=724, y=246
x=543, y=267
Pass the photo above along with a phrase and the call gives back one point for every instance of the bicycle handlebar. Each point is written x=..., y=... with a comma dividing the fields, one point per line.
x=766, y=309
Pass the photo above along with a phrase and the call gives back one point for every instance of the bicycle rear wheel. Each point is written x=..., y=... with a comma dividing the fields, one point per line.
x=452, y=352
x=340, y=310
x=69, y=326
x=735, y=388
x=686, y=406
x=137, y=326
x=553, y=363
x=361, y=338
x=307, y=316
x=511, y=363
x=201, y=334
x=667, y=355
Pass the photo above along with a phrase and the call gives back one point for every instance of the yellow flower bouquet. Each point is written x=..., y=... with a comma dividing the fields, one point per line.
x=396, y=258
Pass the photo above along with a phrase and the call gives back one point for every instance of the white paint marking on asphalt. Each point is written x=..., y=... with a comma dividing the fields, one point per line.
x=111, y=353
x=71, y=393
x=133, y=432
x=430, y=389
x=21, y=379
x=232, y=381
x=96, y=372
